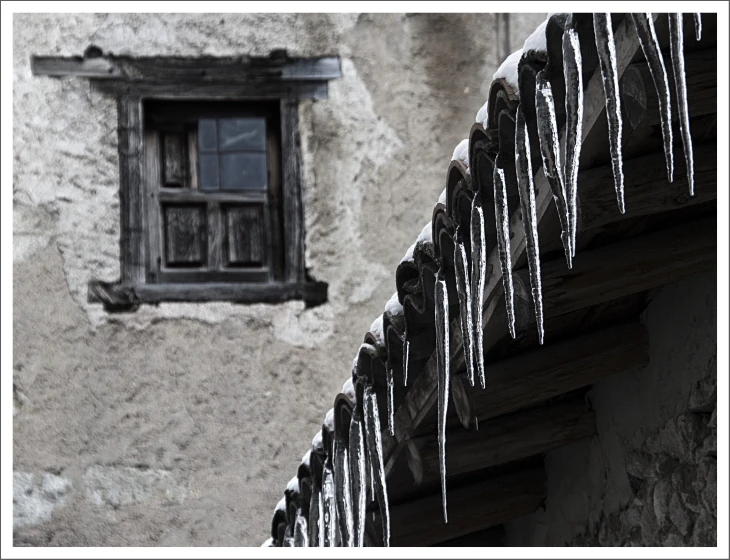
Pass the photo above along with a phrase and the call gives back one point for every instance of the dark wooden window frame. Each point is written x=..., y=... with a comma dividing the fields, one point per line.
x=134, y=80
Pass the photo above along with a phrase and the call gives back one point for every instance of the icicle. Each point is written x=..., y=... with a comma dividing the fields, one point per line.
x=529, y=214
x=406, y=351
x=501, y=213
x=573, y=73
x=478, y=278
x=698, y=26
x=464, y=290
x=375, y=446
x=329, y=517
x=644, y=25
x=343, y=492
x=676, y=42
x=356, y=456
x=547, y=131
x=609, y=71
x=301, y=534
x=390, y=404
x=315, y=516
x=441, y=312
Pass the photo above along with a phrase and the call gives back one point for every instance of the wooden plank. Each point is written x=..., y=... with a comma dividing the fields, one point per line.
x=644, y=194
x=312, y=292
x=536, y=376
x=628, y=267
x=185, y=235
x=244, y=235
x=291, y=187
x=243, y=196
x=507, y=438
x=196, y=90
x=174, y=159
x=231, y=70
x=152, y=177
x=472, y=508
x=131, y=199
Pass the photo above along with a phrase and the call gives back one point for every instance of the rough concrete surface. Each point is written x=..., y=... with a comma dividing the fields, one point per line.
x=180, y=425
x=649, y=477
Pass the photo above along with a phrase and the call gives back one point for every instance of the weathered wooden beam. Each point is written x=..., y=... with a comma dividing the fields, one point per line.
x=506, y=439
x=647, y=190
x=534, y=377
x=629, y=267
x=701, y=70
x=472, y=508
x=314, y=293
x=161, y=69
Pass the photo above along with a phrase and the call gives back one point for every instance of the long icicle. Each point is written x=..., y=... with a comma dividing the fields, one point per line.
x=478, y=278
x=390, y=396
x=357, y=476
x=526, y=189
x=343, y=491
x=698, y=26
x=461, y=272
x=644, y=25
x=606, y=48
x=329, y=517
x=315, y=519
x=301, y=532
x=406, y=349
x=547, y=132
x=676, y=43
x=501, y=214
x=573, y=73
x=441, y=312
x=375, y=446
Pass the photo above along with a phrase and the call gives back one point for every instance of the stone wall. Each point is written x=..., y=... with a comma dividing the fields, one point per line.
x=181, y=424
x=649, y=477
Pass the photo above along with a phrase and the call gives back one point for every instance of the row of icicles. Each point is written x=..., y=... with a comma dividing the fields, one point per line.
x=339, y=508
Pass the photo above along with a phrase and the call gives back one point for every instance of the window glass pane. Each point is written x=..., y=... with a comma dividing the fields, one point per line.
x=243, y=171
x=207, y=135
x=208, y=164
x=242, y=134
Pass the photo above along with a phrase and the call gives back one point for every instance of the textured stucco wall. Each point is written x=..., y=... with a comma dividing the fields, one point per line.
x=181, y=424
x=649, y=477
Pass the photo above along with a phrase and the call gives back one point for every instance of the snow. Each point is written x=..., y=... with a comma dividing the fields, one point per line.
x=306, y=458
x=442, y=196
x=281, y=506
x=483, y=115
x=461, y=153
x=329, y=420
x=508, y=70
x=426, y=235
x=317, y=440
x=293, y=484
x=377, y=329
x=393, y=305
x=408, y=257
x=268, y=542
x=348, y=389
x=537, y=41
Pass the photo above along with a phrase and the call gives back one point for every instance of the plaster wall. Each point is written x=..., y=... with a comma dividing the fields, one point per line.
x=180, y=425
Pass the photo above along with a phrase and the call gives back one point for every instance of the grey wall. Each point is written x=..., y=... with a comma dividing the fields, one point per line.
x=649, y=478
x=181, y=424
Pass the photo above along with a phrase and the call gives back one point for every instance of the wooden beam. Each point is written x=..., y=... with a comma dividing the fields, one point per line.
x=472, y=508
x=648, y=191
x=628, y=267
x=161, y=69
x=534, y=377
x=506, y=439
x=701, y=70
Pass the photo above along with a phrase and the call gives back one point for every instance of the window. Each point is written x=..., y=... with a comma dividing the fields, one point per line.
x=210, y=193
x=212, y=176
